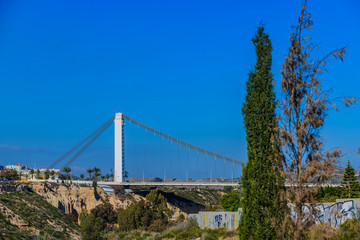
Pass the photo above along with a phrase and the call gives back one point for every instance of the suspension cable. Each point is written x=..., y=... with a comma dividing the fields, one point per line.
x=178, y=141
x=80, y=143
x=76, y=155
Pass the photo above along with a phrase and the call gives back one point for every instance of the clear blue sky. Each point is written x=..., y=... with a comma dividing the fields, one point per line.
x=178, y=66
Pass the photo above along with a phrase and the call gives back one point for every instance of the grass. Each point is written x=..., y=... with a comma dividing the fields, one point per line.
x=185, y=230
x=40, y=215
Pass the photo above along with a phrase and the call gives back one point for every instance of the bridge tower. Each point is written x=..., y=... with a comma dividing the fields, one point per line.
x=119, y=169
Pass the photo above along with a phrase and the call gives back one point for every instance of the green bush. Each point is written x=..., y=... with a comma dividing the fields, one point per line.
x=231, y=201
x=106, y=212
x=100, y=218
x=152, y=215
x=190, y=224
x=349, y=230
x=329, y=194
x=157, y=226
x=91, y=228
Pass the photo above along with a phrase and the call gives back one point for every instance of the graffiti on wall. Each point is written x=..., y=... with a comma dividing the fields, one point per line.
x=218, y=220
x=335, y=214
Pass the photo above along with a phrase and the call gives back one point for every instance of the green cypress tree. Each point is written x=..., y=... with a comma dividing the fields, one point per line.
x=263, y=178
x=350, y=185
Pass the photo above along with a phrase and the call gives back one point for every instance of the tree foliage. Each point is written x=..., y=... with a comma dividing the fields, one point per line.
x=350, y=185
x=106, y=212
x=262, y=179
x=150, y=215
x=231, y=201
x=67, y=170
x=328, y=194
x=9, y=174
x=349, y=230
x=47, y=174
x=102, y=217
x=97, y=173
x=90, y=171
x=304, y=108
x=91, y=228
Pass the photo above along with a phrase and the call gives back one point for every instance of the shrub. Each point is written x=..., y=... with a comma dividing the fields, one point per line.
x=209, y=236
x=189, y=224
x=231, y=201
x=328, y=194
x=349, y=230
x=321, y=232
x=106, y=212
x=91, y=228
x=157, y=226
x=118, y=190
x=128, y=219
x=142, y=215
x=83, y=214
x=181, y=218
x=230, y=234
x=210, y=208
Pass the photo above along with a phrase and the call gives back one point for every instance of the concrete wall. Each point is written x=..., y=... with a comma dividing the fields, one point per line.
x=335, y=214
x=211, y=220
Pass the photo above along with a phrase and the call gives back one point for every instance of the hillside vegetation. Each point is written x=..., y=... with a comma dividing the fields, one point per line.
x=25, y=215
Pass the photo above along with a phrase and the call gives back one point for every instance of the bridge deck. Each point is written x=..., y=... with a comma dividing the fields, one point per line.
x=151, y=184
x=169, y=184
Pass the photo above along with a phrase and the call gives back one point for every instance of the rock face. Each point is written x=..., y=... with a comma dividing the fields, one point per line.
x=13, y=218
x=13, y=188
x=71, y=199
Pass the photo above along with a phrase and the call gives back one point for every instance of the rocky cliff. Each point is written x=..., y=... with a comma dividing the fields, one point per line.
x=71, y=199
x=13, y=188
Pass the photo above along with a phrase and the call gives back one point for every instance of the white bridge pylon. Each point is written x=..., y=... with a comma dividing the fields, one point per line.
x=119, y=145
x=119, y=169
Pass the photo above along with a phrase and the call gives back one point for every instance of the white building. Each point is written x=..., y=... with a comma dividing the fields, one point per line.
x=17, y=167
x=25, y=170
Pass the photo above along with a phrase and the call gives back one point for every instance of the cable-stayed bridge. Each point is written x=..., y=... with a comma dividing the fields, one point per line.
x=154, y=149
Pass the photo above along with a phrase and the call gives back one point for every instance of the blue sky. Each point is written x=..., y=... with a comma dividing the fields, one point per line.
x=178, y=66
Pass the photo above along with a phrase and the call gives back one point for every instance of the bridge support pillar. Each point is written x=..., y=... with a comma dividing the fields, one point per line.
x=119, y=169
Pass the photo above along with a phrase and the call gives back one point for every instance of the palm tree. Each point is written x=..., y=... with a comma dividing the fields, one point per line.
x=52, y=173
x=32, y=172
x=38, y=173
x=107, y=177
x=67, y=170
x=57, y=173
x=97, y=173
x=82, y=176
x=47, y=174
x=26, y=176
x=90, y=171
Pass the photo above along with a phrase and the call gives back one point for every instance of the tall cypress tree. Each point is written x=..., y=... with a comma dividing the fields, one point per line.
x=350, y=185
x=262, y=179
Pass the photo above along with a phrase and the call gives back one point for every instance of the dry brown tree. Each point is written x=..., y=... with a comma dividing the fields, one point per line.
x=304, y=108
